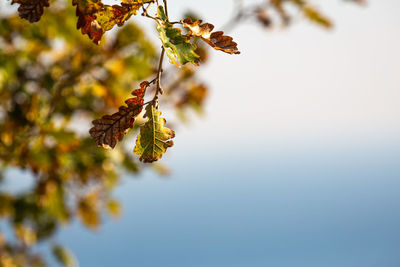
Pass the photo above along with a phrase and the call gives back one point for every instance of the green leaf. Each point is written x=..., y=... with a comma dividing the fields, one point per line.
x=154, y=138
x=177, y=47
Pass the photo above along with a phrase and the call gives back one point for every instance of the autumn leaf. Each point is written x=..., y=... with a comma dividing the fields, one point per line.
x=312, y=13
x=217, y=40
x=31, y=10
x=154, y=138
x=177, y=47
x=95, y=18
x=315, y=16
x=110, y=129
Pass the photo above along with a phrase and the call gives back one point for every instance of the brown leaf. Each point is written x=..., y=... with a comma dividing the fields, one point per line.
x=217, y=40
x=110, y=129
x=31, y=10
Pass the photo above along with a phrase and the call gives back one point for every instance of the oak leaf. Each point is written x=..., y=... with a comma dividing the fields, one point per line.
x=110, y=129
x=154, y=138
x=95, y=18
x=177, y=47
x=217, y=40
x=31, y=10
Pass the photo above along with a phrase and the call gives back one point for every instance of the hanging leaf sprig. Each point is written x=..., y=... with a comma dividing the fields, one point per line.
x=154, y=138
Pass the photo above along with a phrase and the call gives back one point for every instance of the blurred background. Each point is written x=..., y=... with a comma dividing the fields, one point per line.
x=295, y=161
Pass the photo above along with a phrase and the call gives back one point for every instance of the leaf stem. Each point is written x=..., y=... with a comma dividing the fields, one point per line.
x=159, y=89
x=145, y=11
x=166, y=9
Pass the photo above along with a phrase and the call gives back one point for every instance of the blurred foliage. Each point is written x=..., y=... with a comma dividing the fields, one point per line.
x=282, y=13
x=54, y=81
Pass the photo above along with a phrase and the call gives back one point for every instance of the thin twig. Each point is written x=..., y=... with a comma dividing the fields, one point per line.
x=166, y=9
x=159, y=89
x=145, y=11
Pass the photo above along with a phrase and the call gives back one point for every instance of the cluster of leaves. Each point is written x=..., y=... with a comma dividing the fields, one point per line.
x=154, y=138
x=95, y=18
x=52, y=75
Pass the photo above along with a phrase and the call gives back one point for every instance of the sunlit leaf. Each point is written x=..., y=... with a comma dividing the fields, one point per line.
x=177, y=47
x=95, y=18
x=217, y=40
x=154, y=138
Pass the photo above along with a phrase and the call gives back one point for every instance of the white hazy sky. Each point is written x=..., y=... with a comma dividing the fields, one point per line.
x=303, y=85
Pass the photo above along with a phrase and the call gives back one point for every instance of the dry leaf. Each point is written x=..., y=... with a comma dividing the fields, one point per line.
x=31, y=10
x=217, y=40
x=110, y=129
